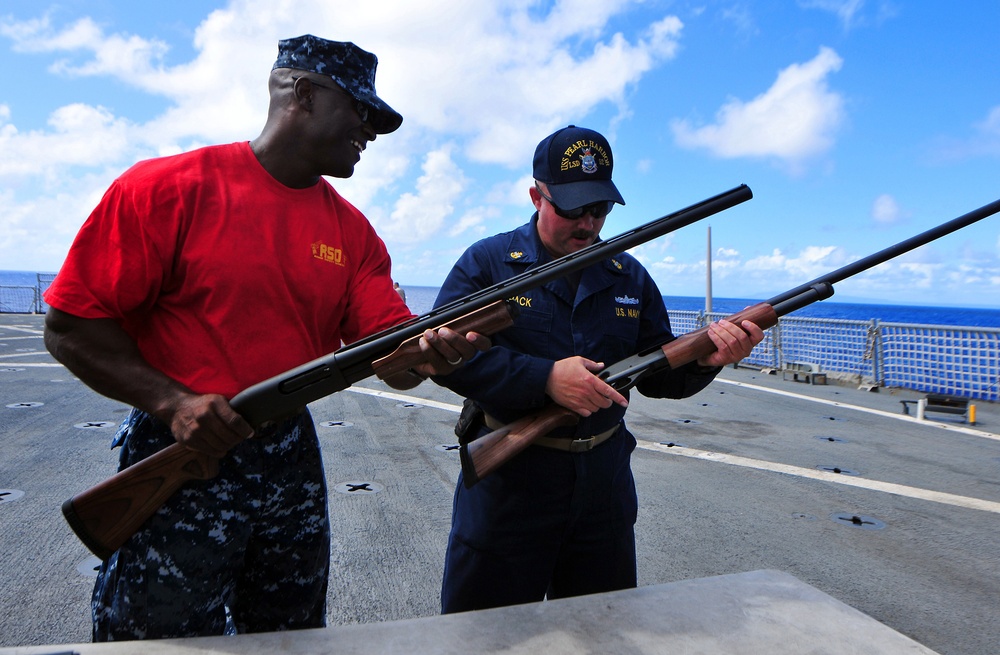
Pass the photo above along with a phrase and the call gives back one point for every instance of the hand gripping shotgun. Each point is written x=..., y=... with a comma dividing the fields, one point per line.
x=106, y=515
x=487, y=453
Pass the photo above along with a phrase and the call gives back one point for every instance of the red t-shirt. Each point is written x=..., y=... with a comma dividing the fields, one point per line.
x=224, y=276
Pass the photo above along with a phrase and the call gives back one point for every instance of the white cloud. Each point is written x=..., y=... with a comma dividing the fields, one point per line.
x=845, y=10
x=519, y=95
x=885, y=210
x=742, y=19
x=671, y=267
x=984, y=141
x=514, y=193
x=987, y=141
x=419, y=216
x=474, y=222
x=792, y=121
x=915, y=276
x=475, y=81
x=991, y=124
x=79, y=135
x=115, y=55
x=851, y=13
x=655, y=252
x=30, y=233
x=789, y=271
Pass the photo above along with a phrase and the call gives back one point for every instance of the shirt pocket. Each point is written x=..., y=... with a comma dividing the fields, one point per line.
x=533, y=320
x=621, y=335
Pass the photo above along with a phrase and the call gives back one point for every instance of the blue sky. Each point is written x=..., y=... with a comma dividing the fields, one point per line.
x=856, y=123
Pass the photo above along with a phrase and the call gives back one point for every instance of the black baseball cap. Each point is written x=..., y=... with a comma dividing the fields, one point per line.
x=576, y=163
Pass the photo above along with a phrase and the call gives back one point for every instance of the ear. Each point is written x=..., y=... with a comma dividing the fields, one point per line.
x=536, y=197
x=303, y=90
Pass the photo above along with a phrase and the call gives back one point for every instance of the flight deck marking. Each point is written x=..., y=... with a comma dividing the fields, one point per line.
x=868, y=410
x=406, y=399
x=27, y=353
x=872, y=485
x=359, y=488
x=677, y=449
x=22, y=328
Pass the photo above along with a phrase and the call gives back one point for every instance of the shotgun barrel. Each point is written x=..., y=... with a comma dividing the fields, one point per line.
x=106, y=515
x=332, y=373
x=484, y=455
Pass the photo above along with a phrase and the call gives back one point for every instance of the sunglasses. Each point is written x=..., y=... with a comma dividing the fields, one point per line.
x=596, y=209
x=361, y=107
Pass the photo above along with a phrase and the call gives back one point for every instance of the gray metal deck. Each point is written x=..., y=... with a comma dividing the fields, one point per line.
x=747, y=490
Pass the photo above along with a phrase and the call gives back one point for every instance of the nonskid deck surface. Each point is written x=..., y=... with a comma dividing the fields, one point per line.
x=832, y=486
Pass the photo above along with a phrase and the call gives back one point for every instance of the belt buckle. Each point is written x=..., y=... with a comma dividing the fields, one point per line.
x=581, y=445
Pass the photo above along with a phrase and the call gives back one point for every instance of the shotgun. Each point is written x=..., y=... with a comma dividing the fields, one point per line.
x=106, y=515
x=484, y=455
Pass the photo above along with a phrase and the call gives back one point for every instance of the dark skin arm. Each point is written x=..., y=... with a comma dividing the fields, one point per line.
x=439, y=347
x=99, y=352
x=107, y=359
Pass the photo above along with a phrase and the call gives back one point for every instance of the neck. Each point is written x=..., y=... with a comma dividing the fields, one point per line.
x=280, y=164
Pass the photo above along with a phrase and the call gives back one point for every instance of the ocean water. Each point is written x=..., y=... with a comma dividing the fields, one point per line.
x=18, y=278
x=421, y=300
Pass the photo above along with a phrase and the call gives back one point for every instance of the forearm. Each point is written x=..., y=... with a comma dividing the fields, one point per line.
x=107, y=359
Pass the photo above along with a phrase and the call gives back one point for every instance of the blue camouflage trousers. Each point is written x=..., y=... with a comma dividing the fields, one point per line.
x=246, y=551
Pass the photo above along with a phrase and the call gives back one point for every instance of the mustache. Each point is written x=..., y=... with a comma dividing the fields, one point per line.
x=583, y=234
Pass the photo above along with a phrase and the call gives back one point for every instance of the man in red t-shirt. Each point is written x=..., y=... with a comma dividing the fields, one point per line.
x=198, y=276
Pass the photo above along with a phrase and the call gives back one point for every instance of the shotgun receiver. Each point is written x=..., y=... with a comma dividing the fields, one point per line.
x=485, y=454
x=106, y=515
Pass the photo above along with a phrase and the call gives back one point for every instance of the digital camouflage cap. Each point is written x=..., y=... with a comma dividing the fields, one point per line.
x=350, y=67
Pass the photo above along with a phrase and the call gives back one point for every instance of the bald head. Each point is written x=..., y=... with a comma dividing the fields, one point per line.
x=280, y=88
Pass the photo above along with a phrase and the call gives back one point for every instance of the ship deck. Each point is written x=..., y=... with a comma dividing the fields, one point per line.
x=771, y=510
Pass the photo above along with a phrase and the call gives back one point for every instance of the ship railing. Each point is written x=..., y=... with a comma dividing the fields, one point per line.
x=941, y=359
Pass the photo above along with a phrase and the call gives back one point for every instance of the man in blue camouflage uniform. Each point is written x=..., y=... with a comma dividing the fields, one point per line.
x=282, y=580
x=558, y=519
x=248, y=550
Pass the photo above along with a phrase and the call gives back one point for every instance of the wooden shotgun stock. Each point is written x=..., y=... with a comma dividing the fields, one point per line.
x=487, y=453
x=106, y=515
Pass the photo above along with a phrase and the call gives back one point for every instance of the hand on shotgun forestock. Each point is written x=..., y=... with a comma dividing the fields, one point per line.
x=732, y=343
x=446, y=350
x=573, y=384
x=207, y=424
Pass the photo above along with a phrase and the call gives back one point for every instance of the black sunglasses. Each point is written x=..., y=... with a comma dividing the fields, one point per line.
x=595, y=209
x=361, y=108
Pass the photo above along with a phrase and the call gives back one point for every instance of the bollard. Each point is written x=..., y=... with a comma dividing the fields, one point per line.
x=921, y=408
x=972, y=414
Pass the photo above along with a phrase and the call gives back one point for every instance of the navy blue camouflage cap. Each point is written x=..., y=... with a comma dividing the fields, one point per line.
x=352, y=68
x=576, y=163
